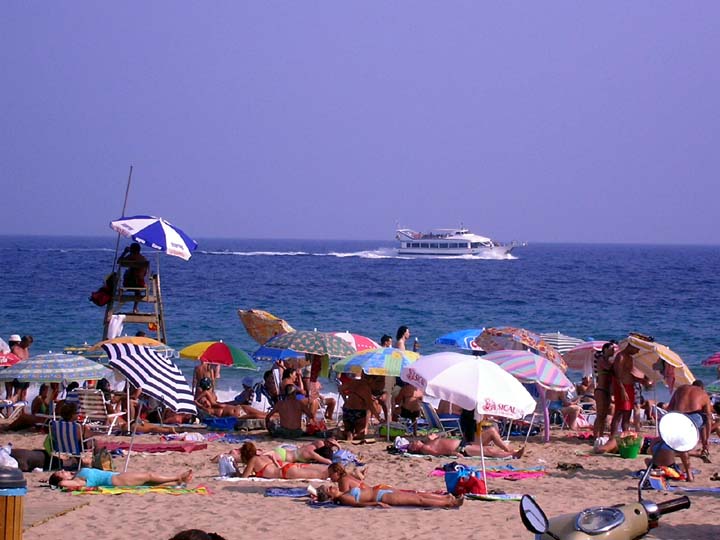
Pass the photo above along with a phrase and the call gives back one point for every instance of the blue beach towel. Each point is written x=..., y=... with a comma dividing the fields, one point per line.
x=286, y=492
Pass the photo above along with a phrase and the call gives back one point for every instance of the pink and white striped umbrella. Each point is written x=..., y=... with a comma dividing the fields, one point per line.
x=358, y=342
x=714, y=360
x=581, y=358
x=529, y=367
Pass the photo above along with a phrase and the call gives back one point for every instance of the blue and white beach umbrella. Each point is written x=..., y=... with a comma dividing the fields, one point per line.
x=157, y=376
x=462, y=339
x=156, y=233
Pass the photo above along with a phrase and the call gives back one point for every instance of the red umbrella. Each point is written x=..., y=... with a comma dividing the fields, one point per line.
x=9, y=359
x=358, y=342
x=714, y=360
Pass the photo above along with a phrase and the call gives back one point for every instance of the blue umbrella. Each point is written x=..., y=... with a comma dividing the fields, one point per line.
x=267, y=354
x=156, y=233
x=462, y=339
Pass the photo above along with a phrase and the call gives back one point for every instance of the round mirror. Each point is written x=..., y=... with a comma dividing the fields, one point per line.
x=678, y=431
x=532, y=515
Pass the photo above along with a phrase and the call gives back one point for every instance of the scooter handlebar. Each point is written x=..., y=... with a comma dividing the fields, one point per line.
x=673, y=505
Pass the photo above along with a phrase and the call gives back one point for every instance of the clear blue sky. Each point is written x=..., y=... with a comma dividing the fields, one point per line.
x=539, y=121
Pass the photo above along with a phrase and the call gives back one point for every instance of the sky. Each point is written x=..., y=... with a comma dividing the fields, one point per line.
x=535, y=121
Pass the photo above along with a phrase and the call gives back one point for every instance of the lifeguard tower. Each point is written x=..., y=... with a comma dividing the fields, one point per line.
x=149, y=300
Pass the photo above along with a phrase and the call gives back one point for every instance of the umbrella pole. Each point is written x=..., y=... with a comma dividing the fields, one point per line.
x=478, y=432
x=388, y=405
x=546, y=413
x=132, y=438
x=117, y=242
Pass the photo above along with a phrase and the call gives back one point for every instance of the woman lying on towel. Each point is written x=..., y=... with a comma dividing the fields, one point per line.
x=208, y=402
x=386, y=498
x=493, y=446
x=99, y=478
x=320, y=451
x=268, y=466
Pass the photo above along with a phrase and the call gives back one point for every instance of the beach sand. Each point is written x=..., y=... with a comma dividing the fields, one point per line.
x=239, y=510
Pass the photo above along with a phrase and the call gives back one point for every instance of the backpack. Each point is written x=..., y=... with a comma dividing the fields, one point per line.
x=102, y=459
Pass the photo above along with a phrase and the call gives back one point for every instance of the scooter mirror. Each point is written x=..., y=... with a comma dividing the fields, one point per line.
x=678, y=431
x=532, y=515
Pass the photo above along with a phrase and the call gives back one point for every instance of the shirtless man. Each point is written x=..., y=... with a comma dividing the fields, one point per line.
x=692, y=400
x=623, y=386
x=409, y=399
x=603, y=387
x=438, y=446
x=290, y=411
x=358, y=402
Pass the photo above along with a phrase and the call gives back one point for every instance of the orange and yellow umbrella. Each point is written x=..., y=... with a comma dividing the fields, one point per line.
x=261, y=325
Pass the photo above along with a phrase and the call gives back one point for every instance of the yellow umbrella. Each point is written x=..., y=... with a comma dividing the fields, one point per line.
x=659, y=362
x=261, y=325
x=134, y=340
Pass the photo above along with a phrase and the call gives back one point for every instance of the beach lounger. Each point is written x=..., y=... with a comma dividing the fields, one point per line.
x=93, y=409
x=450, y=425
x=8, y=418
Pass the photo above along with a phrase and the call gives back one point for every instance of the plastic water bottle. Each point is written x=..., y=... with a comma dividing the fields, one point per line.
x=416, y=345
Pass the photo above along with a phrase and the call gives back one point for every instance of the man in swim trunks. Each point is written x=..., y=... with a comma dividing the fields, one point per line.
x=692, y=400
x=623, y=390
x=409, y=399
x=358, y=402
x=289, y=411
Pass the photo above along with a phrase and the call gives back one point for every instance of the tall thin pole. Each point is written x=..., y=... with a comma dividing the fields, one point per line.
x=127, y=191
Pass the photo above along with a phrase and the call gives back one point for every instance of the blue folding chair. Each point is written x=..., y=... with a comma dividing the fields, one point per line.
x=66, y=438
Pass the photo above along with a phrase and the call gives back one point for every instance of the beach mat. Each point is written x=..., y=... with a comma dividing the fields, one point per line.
x=151, y=448
x=139, y=490
x=286, y=492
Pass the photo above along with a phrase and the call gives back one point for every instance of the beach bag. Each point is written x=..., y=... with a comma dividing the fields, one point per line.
x=102, y=459
x=226, y=465
x=6, y=460
x=464, y=480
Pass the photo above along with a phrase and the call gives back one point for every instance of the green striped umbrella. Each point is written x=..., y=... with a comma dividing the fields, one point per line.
x=320, y=343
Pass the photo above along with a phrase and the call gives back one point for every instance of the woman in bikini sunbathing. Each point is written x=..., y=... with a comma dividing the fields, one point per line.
x=264, y=466
x=208, y=402
x=358, y=496
x=87, y=477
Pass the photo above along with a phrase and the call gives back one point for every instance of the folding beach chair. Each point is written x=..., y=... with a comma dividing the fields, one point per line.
x=66, y=438
x=450, y=425
x=9, y=416
x=93, y=409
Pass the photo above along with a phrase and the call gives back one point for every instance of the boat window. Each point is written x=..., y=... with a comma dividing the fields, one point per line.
x=433, y=246
x=444, y=246
x=476, y=244
x=424, y=245
x=465, y=245
x=415, y=244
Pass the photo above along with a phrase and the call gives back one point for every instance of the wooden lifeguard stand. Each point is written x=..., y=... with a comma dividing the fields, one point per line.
x=150, y=307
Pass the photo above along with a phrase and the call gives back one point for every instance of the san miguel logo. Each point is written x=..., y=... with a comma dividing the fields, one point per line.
x=491, y=407
x=414, y=376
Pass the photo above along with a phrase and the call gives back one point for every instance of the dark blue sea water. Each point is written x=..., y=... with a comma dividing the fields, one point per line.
x=599, y=291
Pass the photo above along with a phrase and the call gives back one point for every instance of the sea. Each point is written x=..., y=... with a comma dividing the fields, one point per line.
x=590, y=291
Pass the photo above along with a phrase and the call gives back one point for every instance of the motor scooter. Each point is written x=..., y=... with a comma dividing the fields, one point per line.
x=622, y=521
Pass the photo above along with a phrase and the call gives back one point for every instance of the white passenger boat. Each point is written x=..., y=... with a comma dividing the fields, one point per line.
x=450, y=243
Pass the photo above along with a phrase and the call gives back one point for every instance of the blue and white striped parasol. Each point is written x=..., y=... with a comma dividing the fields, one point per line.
x=156, y=233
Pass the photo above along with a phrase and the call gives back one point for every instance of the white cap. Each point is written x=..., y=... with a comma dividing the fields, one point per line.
x=15, y=337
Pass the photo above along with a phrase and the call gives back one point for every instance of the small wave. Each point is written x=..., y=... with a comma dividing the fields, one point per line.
x=257, y=253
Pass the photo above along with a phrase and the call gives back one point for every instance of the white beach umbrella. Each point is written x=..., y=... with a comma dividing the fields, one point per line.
x=472, y=384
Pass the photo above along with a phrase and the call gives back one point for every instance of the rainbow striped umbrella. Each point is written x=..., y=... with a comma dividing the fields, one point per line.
x=528, y=367
x=385, y=361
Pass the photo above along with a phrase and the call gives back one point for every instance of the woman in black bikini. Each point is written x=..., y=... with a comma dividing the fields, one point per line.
x=603, y=375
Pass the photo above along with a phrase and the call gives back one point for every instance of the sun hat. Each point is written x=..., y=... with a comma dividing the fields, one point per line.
x=15, y=337
x=247, y=381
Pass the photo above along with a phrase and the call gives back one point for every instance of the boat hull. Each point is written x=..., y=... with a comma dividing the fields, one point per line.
x=495, y=251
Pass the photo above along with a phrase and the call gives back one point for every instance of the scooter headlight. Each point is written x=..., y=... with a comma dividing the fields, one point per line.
x=599, y=520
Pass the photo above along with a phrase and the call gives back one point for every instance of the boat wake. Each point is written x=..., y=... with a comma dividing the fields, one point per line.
x=379, y=253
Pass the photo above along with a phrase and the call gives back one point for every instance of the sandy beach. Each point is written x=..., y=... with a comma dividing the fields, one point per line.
x=238, y=509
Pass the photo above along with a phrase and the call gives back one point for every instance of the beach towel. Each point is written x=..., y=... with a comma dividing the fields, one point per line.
x=152, y=448
x=494, y=496
x=286, y=492
x=256, y=479
x=139, y=490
